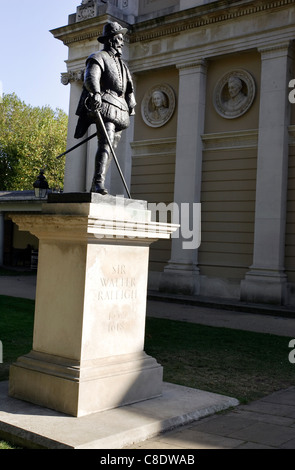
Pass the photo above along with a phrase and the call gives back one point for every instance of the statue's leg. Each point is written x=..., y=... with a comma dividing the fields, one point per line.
x=116, y=136
x=103, y=159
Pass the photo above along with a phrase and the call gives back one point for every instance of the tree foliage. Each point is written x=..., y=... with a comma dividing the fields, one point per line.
x=30, y=139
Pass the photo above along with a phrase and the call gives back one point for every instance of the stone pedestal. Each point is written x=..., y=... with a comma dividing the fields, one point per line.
x=88, y=346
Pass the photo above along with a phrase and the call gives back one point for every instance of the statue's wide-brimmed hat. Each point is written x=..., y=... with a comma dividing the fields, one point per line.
x=110, y=30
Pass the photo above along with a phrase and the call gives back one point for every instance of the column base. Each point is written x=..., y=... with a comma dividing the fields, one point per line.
x=180, y=279
x=262, y=286
x=89, y=387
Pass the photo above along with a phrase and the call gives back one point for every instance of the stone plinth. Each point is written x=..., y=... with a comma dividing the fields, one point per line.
x=88, y=346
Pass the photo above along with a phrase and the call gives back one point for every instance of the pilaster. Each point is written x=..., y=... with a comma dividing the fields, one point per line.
x=266, y=280
x=182, y=273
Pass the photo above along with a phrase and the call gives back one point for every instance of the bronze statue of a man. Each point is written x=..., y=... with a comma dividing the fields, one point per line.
x=107, y=89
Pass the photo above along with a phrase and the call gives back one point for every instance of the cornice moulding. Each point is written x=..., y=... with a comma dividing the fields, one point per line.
x=201, y=16
x=181, y=57
x=172, y=24
x=83, y=30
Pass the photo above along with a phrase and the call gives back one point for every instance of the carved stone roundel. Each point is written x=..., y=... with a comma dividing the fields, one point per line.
x=158, y=105
x=234, y=94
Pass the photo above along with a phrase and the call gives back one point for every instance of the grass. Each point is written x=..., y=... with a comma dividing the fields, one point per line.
x=16, y=330
x=241, y=364
x=6, y=445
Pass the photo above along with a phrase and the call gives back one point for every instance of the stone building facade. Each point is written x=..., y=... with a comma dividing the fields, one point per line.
x=221, y=133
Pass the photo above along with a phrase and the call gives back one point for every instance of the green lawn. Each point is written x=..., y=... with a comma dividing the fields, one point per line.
x=16, y=330
x=241, y=364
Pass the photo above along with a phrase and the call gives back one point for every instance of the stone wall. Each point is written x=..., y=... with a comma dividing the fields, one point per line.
x=204, y=146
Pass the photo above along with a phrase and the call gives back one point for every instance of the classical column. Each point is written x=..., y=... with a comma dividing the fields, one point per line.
x=76, y=161
x=182, y=273
x=266, y=280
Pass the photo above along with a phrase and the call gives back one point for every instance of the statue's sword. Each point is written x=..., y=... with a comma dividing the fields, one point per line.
x=109, y=144
x=76, y=146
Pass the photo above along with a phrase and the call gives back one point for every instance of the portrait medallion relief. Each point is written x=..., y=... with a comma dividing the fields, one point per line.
x=158, y=105
x=234, y=94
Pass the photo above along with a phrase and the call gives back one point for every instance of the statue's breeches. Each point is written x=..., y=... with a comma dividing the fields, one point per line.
x=114, y=109
x=115, y=115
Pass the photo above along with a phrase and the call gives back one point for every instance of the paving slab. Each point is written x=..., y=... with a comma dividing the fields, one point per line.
x=34, y=426
x=265, y=433
x=271, y=408
x=225, y=425
x=266, y=418
x=243, y=427
x=283, y=397
x=193, y=439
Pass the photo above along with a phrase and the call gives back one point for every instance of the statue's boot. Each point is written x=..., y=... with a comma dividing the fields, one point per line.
x=101, y=167
x=104, y=157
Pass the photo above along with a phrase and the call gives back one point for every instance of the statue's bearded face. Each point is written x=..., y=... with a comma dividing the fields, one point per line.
x=117, y=43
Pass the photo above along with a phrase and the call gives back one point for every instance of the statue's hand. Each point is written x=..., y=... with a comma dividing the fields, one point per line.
x=93, y=103
x=96, y=100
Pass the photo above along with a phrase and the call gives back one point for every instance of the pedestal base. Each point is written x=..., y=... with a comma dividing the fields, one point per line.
x=78, y=390
x=32, y=426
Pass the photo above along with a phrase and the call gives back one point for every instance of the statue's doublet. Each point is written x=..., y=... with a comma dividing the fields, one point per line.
x=114, y=73
x=113, y=80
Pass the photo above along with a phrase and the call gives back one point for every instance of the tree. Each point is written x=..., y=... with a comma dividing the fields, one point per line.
x=30, y=139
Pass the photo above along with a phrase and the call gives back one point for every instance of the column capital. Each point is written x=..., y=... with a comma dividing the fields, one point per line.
x=197, y=64
x=276, y=50
x=72, y=76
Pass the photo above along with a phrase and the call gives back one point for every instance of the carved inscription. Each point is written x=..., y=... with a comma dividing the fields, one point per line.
x=120, y=287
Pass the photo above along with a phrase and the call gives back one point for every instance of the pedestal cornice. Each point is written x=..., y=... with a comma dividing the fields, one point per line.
x=112, y=218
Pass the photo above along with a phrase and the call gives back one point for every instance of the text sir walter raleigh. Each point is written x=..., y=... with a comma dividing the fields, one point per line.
x=118, y=287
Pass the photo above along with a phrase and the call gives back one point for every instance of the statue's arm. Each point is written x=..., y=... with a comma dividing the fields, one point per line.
x=92, y=77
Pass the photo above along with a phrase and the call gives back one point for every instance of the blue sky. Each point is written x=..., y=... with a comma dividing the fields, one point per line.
x=31, y=59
